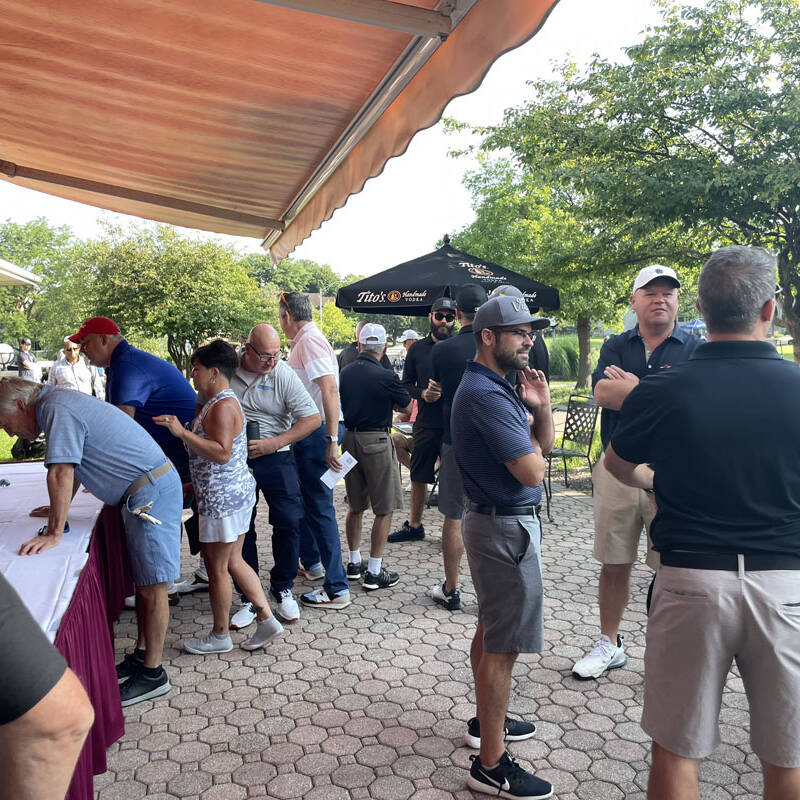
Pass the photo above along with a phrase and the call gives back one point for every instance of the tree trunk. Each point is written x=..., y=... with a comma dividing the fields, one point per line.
x=584, y=326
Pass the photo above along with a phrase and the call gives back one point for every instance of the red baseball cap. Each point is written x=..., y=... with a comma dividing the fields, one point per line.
x=95, y=325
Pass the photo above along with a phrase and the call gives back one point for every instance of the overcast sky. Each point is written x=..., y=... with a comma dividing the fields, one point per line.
x=419, y=196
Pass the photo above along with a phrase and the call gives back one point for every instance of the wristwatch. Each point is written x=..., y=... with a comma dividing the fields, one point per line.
x=332, y=437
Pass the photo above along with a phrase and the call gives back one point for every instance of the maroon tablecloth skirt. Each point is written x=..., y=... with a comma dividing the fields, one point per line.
x=85, y=639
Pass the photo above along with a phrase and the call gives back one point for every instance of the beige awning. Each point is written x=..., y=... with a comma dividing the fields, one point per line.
x=248, y=117
x=12, y=275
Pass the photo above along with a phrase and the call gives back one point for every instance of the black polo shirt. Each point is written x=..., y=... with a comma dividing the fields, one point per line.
x=369, y=394
x=448, y=362
x=723, y=433
x=416, y=374
x=626, y=350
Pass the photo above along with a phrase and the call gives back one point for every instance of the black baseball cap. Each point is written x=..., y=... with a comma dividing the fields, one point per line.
x=470, y=297
x=443, y=304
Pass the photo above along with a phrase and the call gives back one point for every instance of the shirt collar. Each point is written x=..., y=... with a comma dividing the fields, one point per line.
x=307, y=328
x=736, y=349
x=123, y=347
x=677, y=334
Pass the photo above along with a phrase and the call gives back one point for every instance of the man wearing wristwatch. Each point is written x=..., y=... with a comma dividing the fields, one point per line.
x=314, y=361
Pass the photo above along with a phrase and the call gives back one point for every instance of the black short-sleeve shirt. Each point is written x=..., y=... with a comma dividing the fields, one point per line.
x=369, y=393
x=626, y=350
x=723, y=433
x=416, y=373
x=448, y=362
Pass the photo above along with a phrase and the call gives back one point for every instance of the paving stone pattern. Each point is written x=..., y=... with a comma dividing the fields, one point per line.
x=372, y=701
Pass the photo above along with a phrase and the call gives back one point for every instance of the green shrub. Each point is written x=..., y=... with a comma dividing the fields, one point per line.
x=564, y=357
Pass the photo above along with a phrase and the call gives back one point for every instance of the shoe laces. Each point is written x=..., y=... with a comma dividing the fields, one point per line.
x=284, y=594
x=320, y=595
x=603, y=647
x=246, y=607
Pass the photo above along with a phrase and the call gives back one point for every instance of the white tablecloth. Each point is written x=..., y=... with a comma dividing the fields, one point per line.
x=45, y=581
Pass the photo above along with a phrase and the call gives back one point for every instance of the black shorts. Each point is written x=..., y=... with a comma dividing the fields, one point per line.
x=427, y=443
x=29, y=664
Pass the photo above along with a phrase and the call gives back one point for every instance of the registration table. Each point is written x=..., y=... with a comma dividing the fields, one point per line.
x=75, y=592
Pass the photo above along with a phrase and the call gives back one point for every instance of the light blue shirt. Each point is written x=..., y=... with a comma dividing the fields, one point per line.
x=109, y=450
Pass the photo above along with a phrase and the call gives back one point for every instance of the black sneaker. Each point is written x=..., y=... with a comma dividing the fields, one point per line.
x=130, y=665
x=173, y=599
x=515, y=731
x=383, y=580
x=450, y=600
x=356, y=572
x=407, y=533
x=507, y=779
x=141, y=687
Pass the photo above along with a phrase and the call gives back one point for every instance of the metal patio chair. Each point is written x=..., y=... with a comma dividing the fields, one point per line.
x=576, y=440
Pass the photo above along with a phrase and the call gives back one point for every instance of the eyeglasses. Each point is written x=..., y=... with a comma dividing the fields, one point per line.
x=267, y=357
x=71, y=349
x=518, y=332
x=438, y=316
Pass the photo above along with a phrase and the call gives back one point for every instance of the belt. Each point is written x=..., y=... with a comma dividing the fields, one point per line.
x=506, y=511
x=145, y=479
x=385, y=429
x=729, y=561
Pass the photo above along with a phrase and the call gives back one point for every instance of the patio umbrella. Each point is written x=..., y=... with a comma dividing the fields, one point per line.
x=409, y=289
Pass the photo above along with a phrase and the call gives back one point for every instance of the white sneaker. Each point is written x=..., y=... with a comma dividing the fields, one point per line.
x=286, y=606
x=130, y=601
x=604, y=656
x=243, y=617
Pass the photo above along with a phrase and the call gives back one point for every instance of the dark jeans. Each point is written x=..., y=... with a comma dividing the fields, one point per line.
x=319, y=524
x=276, y=478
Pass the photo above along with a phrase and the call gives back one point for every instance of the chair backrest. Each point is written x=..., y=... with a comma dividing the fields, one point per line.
x=580, y=423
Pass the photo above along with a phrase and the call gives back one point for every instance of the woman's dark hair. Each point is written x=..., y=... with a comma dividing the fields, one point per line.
x=217, y=354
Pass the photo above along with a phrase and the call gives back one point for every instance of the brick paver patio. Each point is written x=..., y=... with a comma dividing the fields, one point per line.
x=372, y=701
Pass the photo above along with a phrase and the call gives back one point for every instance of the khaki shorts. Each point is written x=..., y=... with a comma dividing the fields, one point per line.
x=375, y=480
x=700, y=621
x=620, y=513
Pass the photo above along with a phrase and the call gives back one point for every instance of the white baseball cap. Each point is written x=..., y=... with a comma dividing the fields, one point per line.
x=653, y=272
x=372, y=333
x=407, y=334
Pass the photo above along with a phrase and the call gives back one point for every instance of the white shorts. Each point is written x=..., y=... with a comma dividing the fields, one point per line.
x=225, y=529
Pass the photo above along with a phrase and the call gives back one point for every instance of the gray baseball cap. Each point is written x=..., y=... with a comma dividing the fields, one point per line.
x=504, y=310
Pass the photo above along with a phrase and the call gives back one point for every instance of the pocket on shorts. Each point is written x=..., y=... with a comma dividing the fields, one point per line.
x=374, y=448
x=687, y=595
x=141, y=497
x=532, y=533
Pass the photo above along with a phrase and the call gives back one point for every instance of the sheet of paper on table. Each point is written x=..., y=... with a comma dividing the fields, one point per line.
x=331, y=478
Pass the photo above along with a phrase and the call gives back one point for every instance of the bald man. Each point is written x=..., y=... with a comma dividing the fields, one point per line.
x=273, y=397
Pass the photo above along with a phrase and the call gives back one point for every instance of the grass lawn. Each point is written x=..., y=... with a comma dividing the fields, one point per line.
x=6, y=442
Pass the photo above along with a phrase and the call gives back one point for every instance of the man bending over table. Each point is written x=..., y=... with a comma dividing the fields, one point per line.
x=96, y=444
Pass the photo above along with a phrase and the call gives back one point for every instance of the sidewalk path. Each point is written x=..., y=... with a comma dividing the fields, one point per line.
x=372, y=701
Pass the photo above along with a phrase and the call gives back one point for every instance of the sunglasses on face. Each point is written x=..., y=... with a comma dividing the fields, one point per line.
x=266, y=357
x=439, y=316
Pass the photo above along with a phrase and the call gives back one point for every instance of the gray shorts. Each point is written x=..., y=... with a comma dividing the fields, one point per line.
x=452, y=500
x=155, y=550
x=375, y=480
x=505, y=562
x=700, y=621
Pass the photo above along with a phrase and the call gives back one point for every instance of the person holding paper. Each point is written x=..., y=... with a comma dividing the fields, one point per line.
x=369, y=395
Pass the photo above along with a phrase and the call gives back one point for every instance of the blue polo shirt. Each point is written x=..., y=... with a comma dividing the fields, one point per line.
x=723, y=433
x=626, y=350
x=489, y=426
x=153, y=387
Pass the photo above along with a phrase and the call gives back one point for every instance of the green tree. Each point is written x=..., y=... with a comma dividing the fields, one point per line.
x=338, y=329
x=526, y=225
x=155, y=283
x=699, y=131
x=44, y=250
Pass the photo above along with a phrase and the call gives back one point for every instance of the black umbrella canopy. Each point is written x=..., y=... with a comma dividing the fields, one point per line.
x=409, y=289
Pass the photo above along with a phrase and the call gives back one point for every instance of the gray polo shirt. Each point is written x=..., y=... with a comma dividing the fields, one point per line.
x=274, y=400
x=109, y=450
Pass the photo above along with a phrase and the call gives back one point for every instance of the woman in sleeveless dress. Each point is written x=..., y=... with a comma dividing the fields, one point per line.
x=225, y=492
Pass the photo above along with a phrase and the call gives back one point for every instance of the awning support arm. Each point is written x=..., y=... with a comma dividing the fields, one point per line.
x=12, y=170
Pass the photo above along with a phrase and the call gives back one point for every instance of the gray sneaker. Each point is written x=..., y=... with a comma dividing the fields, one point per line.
x=209, y=644
x=266, y=631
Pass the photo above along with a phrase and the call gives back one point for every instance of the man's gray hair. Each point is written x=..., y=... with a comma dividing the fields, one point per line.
x=375, y=349
x=734, y=284
x=13, y=389
x=298, y=305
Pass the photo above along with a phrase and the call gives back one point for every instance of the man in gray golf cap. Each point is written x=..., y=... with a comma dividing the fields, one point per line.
x=500, y=437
